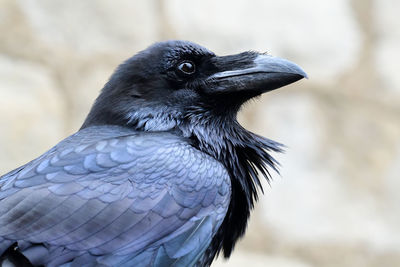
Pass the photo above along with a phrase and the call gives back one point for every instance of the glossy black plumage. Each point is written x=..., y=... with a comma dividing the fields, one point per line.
x=160, y=174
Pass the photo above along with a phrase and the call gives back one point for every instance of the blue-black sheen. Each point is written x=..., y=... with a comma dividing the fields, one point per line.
x=160, y=173
x=110, y=195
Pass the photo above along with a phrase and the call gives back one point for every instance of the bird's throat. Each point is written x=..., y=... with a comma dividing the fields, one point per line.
x=246, y=156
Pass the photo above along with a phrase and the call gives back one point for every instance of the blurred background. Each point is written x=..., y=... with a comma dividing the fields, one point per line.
x=337, y=200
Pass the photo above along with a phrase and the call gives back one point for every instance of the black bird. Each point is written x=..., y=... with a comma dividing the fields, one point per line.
x=160, y=174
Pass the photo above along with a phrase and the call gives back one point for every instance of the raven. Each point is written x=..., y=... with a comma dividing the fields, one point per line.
x=160, y=173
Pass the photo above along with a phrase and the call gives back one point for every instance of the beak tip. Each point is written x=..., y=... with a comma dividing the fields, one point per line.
x=300, y=71
x=275, y=64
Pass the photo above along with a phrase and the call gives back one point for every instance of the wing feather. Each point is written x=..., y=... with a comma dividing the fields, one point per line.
x=110, y=191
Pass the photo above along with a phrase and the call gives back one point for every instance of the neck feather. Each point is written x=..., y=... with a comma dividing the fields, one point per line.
x=245, y=155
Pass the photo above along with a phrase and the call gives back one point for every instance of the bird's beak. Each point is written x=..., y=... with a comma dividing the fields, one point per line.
x=264, y=73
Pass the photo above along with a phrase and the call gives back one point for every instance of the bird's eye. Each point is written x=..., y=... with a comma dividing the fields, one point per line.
x=187, y=67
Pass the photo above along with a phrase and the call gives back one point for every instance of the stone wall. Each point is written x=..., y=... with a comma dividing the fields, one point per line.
x=337, y=200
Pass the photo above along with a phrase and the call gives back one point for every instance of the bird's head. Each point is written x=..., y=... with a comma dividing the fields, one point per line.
x=162, y=86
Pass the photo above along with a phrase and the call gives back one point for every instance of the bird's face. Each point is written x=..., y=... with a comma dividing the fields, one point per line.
x=169, y=81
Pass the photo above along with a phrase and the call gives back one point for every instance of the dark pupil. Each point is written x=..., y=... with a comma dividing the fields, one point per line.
x=186, y=67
